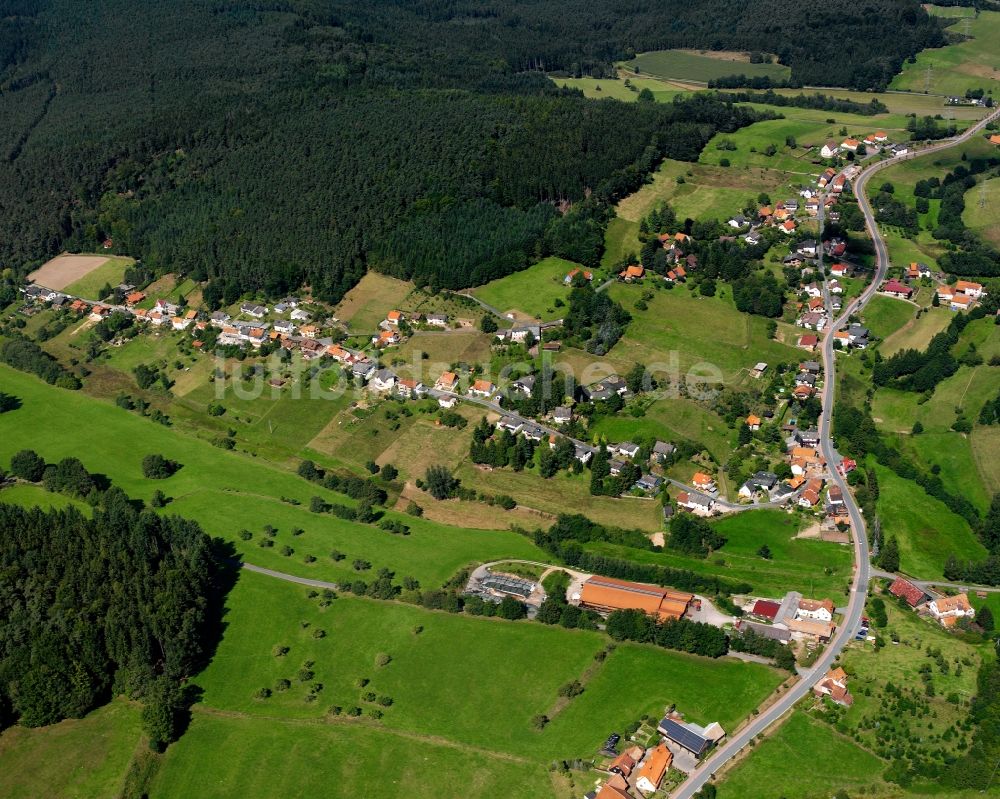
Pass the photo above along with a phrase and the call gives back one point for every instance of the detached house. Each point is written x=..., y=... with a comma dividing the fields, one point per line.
x=908, y=592
x=834, y=687
x=894, y=288
x=704, y=482
x=949, y=609
x=654, y=769
x=448, y=381
x=829, y=150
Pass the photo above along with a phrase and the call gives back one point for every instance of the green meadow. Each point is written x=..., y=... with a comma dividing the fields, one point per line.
x=982, y=210
x=967, y=64
x=700, y=66
x=927, y=531
x=885, y=315
x=230, y=491
x=605, y=89
x=811, y=566
x=112, y=273
x=784, y=764
x=74, y=759
x=532, y=291
x=683, y=328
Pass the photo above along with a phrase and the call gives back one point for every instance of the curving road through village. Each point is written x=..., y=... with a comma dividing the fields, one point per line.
x=862, y=568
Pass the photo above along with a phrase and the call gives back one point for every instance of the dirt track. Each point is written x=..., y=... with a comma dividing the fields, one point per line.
x=63, y=270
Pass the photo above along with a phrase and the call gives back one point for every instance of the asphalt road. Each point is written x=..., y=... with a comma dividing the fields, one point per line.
x=862, y=569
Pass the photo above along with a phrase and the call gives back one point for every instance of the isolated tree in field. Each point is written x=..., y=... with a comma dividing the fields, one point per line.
x=28, y=465
x=156, y=467
x=439, y=482
x=389, y=472
x=765, y=552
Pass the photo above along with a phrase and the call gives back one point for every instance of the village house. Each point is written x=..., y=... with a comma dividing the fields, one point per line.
x=840, y=270
x=704, y=482
x=834, y=687
x=632, y=273
x=254, y=310
x=134, y=298
x=974, y=290
x=626, y=449
x=752, y=238
x=753, y=422
x=758, y=370
x=448, y=381
x=829, y=150
x=394, y=318
x=654, y=769
x=850, y=144
x=284, y=327
x=765, y=609
x=949, y=609
x=817, y=631
x=300, y=315
x=788, y=227
x=893, y=288
x=363, y=370
x=960, y=302
x=605, y=390
x=447, y=401
x=815, y=610
x=757, y=482
x=385, y=338
x=838, y=184
x=588, y=276
x=482, y=388
x=561, y=415
x=649, y=483
x=769, y=631
x=662, y=450
x=698, y=504
x=408, y=388
x=437, y=319
x=808, y=342
x=626, y=761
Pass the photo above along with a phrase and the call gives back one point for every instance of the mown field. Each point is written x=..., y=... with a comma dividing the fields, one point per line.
x=532, y=291
x=686, y=329
x=481, y=734
x=112, y=272
x=228, y=492
x=886, y=315
x=813, y=567
x=365, y=305
x=75, y=759
x=607, y=89
x=916, y=333
x=701, y=66
x=969, y=64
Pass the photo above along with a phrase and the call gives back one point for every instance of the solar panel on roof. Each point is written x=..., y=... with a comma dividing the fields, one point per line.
x=685, y=737
x=509, y=585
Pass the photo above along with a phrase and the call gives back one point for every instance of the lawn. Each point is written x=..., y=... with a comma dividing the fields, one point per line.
x=365, y=305
x=701, y=66
x=111, y=273
x=784, y=764
x=229, y=491
x=951, y=70
x=532, y=291
x=928, y=533
x=74, y=759
x=885, y=315
x=813, y=567
x=424, y=671
x=981, y=213
x=684, y=333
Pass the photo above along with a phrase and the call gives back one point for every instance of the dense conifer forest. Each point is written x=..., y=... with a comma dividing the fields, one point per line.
x=90, y=608
x=267, y=144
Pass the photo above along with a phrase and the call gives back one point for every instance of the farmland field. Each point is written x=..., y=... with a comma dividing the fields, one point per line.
x=885, y=315
x=365, y=305
x=917, y=333
x=532, y=291
x=700, y=66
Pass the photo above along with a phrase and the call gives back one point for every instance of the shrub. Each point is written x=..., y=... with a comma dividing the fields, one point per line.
x=156, y=467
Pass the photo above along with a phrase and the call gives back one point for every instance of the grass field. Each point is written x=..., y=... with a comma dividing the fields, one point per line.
x=784, y=764
x=981, y=213
x=701, y=66
x=423, y=673
x=228, y=491
x=916, y=333
x=365, y=305
x=928, y=533
x=688, y=329
x=604, y=89
x=75, y=759
x=885, y=315
x=970, y=64
x=111, y=272
x=813, y=567
x=532, y=291
x=28, y=496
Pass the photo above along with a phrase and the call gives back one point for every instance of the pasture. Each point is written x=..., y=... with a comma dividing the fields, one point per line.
x=74, y=759
x=701, y=66
x=423, y=673
x=694, y=333
x=784, y=764
x=917, y=332
x=968, y=64
x=365, y=305
x=885, y=315
x=532, y=292
x=626, y=89
x=982, y=210
x=927, y=531
x=810, y=566
x=230, y=491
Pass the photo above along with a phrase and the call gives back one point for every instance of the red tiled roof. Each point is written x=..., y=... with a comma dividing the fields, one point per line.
x=907, y=591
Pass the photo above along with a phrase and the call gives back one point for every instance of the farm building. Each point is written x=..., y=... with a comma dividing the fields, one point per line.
x=606, y=594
